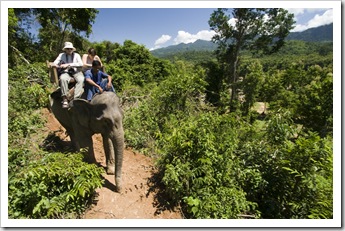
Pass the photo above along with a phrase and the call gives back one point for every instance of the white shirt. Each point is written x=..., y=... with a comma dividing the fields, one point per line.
x=76, y=62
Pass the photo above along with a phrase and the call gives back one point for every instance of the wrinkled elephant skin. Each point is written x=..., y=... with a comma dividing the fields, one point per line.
x=83, y=119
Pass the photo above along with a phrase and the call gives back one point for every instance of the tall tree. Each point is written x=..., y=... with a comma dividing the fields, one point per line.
x=21, y=46
x=56, y=26
x=61, y=24
x=262, y=31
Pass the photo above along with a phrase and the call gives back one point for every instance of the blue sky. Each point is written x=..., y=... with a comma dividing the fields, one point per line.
x=156, y=24
x=161, y=27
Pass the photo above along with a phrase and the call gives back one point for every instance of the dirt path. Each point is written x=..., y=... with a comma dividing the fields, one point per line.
x=139, y=197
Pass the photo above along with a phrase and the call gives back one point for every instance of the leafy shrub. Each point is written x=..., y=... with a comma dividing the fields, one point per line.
x=28, y=91
x=56, y=186
x=315, y=110
x=142, y=127
x=133, y=64
x=292, y=170
x=21, y=126
x=307, y=92
x=28, y=86
x=200, y=169
x=177, y=96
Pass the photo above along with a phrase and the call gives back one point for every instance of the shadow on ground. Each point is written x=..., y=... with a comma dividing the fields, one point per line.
x=53, y=143
x=161, y=199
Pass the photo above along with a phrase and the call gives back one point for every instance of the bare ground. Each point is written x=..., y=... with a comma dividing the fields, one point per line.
x=141, y=195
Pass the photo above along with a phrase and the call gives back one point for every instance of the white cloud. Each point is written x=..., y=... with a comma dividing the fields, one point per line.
x=317, y=20
x=162, y=40
x=296, y=11
x=185, y=37
x=301, y=11
x=324, y=19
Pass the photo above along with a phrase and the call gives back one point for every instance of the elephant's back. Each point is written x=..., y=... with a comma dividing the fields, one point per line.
x=106, y=97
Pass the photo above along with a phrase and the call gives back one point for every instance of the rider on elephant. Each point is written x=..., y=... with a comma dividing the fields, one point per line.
x=69, y=64
x=97, y=81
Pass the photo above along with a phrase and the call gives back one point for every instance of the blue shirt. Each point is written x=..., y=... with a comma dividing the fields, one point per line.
x=97, y=78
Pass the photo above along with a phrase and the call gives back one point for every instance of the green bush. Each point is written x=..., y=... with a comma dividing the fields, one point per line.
x=199, y=167
x=28, y=92
x=292, y=170
x=176, y=97
x=55, y=186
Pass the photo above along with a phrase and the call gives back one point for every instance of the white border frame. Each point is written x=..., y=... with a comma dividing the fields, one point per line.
x=335, y=222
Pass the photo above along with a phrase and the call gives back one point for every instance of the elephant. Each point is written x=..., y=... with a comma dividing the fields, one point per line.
x=104, y=115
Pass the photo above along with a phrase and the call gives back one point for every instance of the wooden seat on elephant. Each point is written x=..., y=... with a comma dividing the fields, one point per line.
x=53, y=74
x=54, y=77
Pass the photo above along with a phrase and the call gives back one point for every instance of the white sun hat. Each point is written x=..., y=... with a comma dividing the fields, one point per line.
x=68, y=45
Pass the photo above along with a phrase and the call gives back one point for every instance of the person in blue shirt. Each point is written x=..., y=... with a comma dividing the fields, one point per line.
x=97, y=81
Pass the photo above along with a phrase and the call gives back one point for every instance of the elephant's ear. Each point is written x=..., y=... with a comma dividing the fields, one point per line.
x=98, y=111
x=82, y=109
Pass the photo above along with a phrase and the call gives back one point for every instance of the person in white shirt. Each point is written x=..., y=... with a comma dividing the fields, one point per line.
x=69, y=64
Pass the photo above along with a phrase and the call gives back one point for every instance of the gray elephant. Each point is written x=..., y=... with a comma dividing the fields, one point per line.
x=83, y=119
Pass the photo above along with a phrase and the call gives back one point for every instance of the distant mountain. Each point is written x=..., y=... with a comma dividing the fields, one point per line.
x=199, y=45
x=317, y=34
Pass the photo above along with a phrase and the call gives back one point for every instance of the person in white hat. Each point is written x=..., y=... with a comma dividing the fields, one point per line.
x=69, y=63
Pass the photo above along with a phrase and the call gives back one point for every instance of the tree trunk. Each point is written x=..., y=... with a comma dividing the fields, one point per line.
x=234, y=80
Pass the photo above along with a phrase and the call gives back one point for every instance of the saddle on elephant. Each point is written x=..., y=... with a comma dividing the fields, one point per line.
x=54, y=74
x=54, y=78
x=58, y=95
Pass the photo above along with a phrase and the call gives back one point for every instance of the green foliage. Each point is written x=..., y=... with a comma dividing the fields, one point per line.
x=177, y=96
x=63, y=24
x=306, y=92
x=259, y=30
x=250, y=86
x=142, y=127
x=293, y=174
x=180, y=91
x=12, y=24
x=28, y=91
x=217, y=167
x=200, y=169
x=55, y=186
x=315, y=110
x=133, y=64
x=194, y=57
x=215, y=79
x=41, y=184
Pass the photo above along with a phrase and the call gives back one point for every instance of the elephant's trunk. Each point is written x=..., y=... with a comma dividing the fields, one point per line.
x=117, y=138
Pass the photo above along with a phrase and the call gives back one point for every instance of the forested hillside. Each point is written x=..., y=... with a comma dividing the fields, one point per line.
x=317, y=34
x=202, y=50
x=245, y=139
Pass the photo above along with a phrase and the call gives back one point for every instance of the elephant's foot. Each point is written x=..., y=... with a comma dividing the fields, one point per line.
x=118, y=185
x=111, y=170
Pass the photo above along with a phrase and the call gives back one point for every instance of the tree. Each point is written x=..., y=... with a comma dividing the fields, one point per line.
x=262, y=31
x=21, y=44
x=56, y=26
x=61, y=24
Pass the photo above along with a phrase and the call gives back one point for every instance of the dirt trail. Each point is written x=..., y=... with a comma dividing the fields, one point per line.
x=139, y=197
